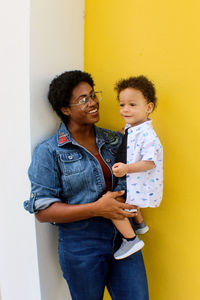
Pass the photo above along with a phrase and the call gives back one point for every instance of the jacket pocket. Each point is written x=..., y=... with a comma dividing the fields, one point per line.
x=71, y=163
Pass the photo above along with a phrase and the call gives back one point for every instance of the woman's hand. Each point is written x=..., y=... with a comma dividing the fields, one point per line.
x=110, y=206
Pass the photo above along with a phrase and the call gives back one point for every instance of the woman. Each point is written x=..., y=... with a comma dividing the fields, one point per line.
x=71, y=180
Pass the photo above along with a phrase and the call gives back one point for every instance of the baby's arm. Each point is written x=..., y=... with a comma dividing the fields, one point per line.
x=119, y=169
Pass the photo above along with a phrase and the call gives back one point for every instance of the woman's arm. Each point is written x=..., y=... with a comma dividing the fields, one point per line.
x=107, y=206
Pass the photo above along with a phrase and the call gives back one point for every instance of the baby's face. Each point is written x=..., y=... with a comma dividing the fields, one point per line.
x=134, y=108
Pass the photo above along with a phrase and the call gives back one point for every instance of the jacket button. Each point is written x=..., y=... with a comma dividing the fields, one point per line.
x=108, y=160
x=70, y=157
x=32, y=195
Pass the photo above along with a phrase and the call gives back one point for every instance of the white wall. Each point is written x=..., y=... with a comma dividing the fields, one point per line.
x=18, y=253
x=56, y=44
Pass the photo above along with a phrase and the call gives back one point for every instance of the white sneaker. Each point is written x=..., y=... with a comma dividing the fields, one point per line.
x=128, y=247
x=141, y=228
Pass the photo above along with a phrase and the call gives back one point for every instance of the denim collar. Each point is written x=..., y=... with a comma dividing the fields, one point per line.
x=64, y=137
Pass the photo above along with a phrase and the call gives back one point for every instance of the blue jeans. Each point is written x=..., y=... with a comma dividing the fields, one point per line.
x=86, y=258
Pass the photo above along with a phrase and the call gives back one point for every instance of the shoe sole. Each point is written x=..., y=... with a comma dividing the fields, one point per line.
x=142, y=230
x=136, y=248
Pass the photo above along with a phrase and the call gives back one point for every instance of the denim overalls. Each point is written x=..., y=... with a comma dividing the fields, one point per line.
x=63, y=171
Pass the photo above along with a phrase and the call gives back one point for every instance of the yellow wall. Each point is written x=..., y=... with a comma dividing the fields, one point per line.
x=160, y=39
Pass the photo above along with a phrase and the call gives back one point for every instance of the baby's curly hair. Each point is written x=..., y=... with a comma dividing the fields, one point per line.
x=61, y=88
x=141, y=83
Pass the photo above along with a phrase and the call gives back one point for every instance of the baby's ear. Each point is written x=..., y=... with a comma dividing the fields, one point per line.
x=150, y=107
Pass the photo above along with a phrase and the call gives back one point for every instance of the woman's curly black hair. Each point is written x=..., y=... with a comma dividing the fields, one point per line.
x=141, y=83
x=61, y=88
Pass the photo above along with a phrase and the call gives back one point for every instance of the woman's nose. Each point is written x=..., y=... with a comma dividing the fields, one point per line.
x=92, y=101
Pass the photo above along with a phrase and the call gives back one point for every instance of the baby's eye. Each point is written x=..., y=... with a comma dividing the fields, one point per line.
x=121, y=104
x=132, y=104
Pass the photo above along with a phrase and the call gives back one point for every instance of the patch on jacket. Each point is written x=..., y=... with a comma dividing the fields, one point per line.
x=111, y=138
x=62, y=138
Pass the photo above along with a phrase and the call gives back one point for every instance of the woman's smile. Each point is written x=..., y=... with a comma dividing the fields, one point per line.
x=94, y=111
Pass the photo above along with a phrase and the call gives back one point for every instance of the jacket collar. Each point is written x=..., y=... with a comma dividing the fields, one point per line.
x=64, y=137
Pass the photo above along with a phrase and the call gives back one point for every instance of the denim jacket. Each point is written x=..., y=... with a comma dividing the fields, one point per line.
x=63, y=171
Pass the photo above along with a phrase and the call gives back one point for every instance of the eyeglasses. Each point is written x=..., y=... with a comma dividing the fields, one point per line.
x=84, y=100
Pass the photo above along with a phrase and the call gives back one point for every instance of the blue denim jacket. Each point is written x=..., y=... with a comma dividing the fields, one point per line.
x=63, y=171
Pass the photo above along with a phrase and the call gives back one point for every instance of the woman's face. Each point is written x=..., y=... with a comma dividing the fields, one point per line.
x=83, y=114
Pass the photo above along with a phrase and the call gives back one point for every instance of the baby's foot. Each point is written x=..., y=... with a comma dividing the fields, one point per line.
x=140, y=228
x=128, y=247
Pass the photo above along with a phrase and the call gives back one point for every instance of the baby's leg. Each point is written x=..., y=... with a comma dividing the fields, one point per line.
x=125, y=228
x=139, y=225
x=139, y=218
x=130, y=243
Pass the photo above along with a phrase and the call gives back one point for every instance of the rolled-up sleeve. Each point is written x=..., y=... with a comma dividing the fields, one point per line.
x=45, y=180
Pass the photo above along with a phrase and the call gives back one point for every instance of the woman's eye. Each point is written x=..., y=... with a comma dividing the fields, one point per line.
x=93, y=96
x=83, y=100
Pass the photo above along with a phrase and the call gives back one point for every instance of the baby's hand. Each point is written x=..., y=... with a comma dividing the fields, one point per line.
x=119, y=169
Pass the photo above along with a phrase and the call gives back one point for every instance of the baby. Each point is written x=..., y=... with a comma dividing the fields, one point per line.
x=140, y=159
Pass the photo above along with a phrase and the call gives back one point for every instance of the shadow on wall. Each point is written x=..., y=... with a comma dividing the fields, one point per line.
x=50, y=272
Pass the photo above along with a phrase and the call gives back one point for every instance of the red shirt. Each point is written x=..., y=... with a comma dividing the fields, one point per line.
x=106, y=172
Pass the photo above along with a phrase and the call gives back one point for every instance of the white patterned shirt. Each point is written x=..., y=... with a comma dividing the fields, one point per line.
x=144, y=189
